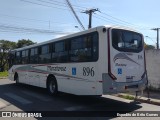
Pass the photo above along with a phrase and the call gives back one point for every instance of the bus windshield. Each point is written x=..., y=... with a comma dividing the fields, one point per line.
x=126, y=41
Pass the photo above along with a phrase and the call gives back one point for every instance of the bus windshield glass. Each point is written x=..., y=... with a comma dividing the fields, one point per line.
x=126, y=41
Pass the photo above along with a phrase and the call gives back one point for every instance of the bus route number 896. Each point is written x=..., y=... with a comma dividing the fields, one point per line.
x=87, y=71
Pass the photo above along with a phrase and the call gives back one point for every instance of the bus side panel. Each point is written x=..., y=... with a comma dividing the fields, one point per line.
x=43, y=80
x=103, y=61
x=76, y=87
x=76, y=81
x=21, y=70
x=11, y=73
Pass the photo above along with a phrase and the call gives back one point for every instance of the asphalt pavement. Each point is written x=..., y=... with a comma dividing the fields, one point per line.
x=25, y=98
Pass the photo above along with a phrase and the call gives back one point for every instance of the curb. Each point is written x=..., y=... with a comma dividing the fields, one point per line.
x=3, y=77
x=141, y=99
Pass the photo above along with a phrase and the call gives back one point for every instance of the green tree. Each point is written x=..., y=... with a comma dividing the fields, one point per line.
x=24, y=42
x=5, y=47
x=149, y=47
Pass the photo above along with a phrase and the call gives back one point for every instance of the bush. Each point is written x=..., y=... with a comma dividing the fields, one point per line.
x=4, y=74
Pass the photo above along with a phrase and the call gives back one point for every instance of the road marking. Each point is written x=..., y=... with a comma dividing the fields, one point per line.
x=38, y=96
x=18, y=98
x=74, y=108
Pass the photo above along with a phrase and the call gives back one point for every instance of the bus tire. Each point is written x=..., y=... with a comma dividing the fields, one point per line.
x=16, y=78
x=52, y=86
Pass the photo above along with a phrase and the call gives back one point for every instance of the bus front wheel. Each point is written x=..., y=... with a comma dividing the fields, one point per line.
x=52, y=86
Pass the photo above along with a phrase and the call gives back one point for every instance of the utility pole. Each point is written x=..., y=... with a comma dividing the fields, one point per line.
x=157, y=29
x=90, y=11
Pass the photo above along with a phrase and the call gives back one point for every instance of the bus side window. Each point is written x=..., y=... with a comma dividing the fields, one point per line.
x=60, y=53
x=95, y=46
x=45, y=55
x=18, y=57
x=81, y=49
x=25, y=58
x=34, y=55
x=11, y=59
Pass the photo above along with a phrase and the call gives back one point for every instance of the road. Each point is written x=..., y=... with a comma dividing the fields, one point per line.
x=29, y=98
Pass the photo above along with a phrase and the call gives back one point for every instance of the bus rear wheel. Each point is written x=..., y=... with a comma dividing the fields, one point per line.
x=52, y=87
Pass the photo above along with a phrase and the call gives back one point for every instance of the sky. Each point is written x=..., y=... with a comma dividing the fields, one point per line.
x=42, y=20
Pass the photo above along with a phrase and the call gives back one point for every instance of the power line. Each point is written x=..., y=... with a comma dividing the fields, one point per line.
x=121, y=22
x=42, y=4
x=117, y=18
x=103, y=19
x=150, y=39
x=31, y=19
x=63, y=6
x=75, y=6
x=125, y=22
x=46, y=5
x=114, y=22
x=55, y=3
x=112, y=18
x=9, y=28
x=28, y=19
x=70, y=6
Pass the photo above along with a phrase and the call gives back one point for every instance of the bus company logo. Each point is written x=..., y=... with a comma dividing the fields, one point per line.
x=122, y=65
x=50, y=68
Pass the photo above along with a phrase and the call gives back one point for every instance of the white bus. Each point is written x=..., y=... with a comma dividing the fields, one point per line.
x=101, y=60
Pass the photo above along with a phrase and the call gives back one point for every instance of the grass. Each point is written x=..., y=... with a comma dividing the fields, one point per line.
x=127, y=97
x=4, y=74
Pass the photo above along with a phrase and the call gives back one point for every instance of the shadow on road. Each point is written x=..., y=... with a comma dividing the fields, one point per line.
x=64, y=104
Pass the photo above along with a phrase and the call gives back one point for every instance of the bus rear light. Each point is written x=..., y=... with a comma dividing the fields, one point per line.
x=109, y=58
x=112, y=76
x=143, y=75
x=100, y=81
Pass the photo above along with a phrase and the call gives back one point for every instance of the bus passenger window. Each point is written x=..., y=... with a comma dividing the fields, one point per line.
x=34, y=55
x=45, y=56
x=11, y=59
x=60, y=53
x=84, y=49
x=25, y=58
x=18, y=57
